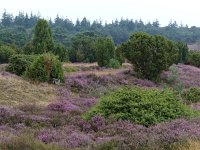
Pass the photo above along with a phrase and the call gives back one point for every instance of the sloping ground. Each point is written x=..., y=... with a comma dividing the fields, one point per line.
x=16, y=91
x=189, y=75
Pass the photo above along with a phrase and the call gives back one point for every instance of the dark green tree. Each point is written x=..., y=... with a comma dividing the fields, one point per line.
x=105, y=50
x=7, y=19
x=42, y=39
x=183, y=52
x=150, y=55
x=83, y=47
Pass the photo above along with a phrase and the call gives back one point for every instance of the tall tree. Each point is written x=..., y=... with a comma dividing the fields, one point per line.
x=7, y=19
x=42, y=39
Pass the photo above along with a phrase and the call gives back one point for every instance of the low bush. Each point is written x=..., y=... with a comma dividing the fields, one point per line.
x=18, y=63
x=113, y=63
x=5, y=53
x=45, y=68
x=142, y=106
x=194, y=58
x=191, y=95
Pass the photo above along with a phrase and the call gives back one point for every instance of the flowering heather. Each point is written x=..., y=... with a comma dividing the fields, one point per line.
x=97, y=123
x=63, y=107
x=90, y=83
x=189, y=75
x=158, y=136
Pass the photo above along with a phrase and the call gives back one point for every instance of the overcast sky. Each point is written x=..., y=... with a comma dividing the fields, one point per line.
x=183, y=11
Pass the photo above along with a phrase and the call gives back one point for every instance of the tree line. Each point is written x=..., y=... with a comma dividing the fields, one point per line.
x=18, y=30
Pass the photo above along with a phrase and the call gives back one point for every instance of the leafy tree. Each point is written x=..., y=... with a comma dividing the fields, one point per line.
x=105, y=50
x=42, y=39
x=150, y=55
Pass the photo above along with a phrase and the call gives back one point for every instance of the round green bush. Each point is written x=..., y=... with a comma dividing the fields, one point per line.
x=191, y=95
x=113, y=63
x=45, y=68
x=141, y=106
x=18, y=63
x=5, y=53
x=194, y=58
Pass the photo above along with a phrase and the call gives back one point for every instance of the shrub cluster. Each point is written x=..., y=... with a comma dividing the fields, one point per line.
x=45, y=68
x=192, y=95
x=150, y=55
x=142, y=106
x=5, y=53
x=18, y=63
x=114, y=63
x=194, y=58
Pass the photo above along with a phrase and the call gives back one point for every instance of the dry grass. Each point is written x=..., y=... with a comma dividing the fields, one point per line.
x=15, y=91
x=188, y=145
x=99, y=72
x=80, y=64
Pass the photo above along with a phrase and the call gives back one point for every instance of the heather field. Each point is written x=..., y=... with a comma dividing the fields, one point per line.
x=42, y=116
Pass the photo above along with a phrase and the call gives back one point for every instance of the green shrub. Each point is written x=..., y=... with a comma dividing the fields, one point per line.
x=113, y=63
x=194, y=58
x=18, y=63
x=45, y=68
x=150, y=55
x=191, y=95
x=5, y=53
x=142, y=106
x=105, y=50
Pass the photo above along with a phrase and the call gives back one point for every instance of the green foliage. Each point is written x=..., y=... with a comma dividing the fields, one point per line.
x=61, y=52
x=42, y=39
x=191, y=95
x=194, y=58
x=113, y=63
x=83, y=47
x=45, y=68
x=5, y=53
x=105, y=50
x=119, y=55
x=150, y=55
x=183, y=52
x=18, y=63
x=142, y=106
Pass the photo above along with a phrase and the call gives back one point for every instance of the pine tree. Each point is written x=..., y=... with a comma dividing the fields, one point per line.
x=42, y=39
